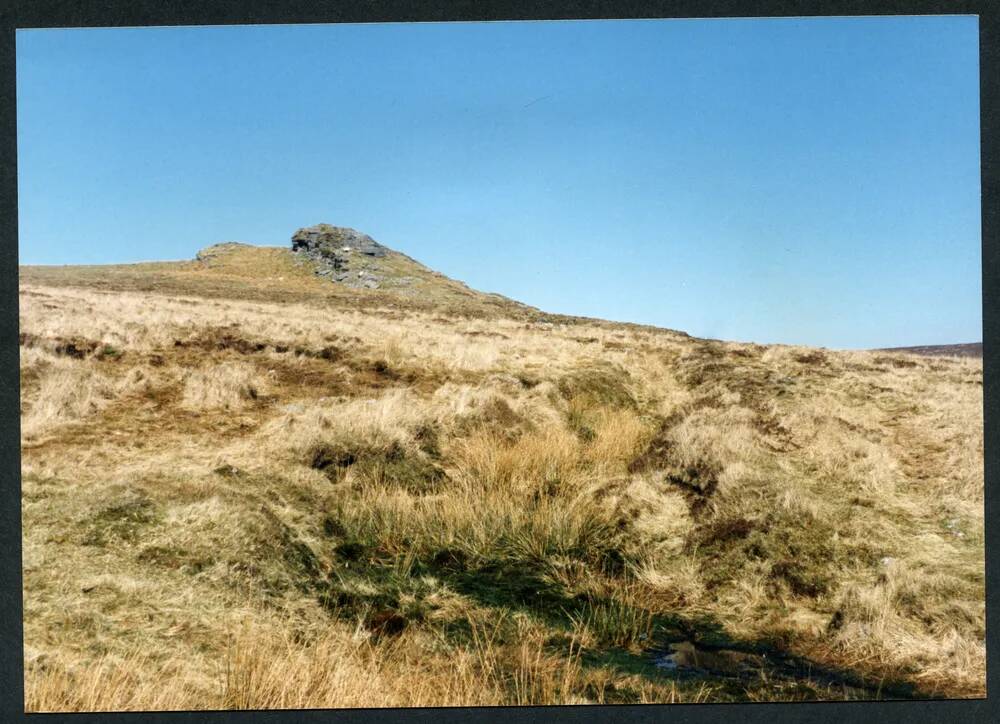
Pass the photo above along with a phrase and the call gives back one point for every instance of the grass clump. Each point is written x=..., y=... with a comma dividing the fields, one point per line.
x=121, y=518
x=226, y=386
x=797, y=554
x=493, y=417
x=173, y=557
x=613, y=623
x=598, y=385
x=376, y=464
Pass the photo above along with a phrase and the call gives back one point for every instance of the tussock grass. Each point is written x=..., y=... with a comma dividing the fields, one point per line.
x=226, y=386
x=280, y=505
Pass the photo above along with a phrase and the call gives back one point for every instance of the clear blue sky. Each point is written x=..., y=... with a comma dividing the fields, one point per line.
x=811, y=181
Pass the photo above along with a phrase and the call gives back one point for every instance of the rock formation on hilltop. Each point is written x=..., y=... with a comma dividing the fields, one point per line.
x=323, y=262
x=340, y=253
x=330, y=241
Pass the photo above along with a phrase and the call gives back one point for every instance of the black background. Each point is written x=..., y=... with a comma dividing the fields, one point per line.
x=111, y=13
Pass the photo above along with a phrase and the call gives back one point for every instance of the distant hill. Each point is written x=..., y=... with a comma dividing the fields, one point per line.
x=972, y=349
x=324, y=264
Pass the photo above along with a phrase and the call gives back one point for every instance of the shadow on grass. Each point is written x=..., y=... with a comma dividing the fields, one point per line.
x=660, y=648
x=707, y=652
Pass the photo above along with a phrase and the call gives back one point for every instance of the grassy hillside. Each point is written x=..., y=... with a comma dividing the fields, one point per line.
x=246, y=487
x=274, y=274
x=974, y=349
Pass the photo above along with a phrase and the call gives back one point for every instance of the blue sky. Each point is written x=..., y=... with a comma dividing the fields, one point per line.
x=808, y=181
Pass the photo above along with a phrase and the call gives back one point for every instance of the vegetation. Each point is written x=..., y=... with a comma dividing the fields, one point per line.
x=246, y=488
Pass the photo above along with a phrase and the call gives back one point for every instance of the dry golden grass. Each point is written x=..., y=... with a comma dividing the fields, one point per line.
x=227, y=386
x=231, y=503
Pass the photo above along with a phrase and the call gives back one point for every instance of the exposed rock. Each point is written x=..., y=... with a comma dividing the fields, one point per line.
x=337, y=251
x=335, y=242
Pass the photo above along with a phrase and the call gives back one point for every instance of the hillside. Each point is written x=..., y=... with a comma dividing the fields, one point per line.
x=972, y=349
x=248, y=484
x=232, y=270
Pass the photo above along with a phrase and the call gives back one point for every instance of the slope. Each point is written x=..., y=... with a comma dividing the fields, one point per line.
x=242, y=271
x=246, y=485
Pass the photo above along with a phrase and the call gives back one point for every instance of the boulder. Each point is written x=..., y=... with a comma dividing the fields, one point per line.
x=332, y=241
x=336, y=253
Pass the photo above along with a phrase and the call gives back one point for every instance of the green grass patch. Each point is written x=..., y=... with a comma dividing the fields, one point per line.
x=175, y=558
x=598, y=385
x=121, y=519
x=373, y=463
x=801, y=554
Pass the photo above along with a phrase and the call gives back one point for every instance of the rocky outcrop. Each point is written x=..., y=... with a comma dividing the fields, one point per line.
x=333, y=241
x=340, y=254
